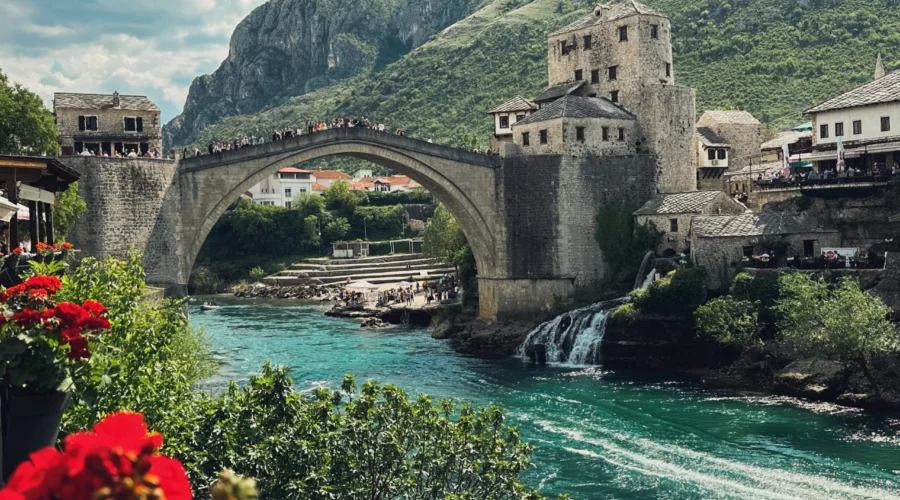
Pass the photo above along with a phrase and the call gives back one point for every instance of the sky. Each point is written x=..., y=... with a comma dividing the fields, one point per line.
x=143, y=47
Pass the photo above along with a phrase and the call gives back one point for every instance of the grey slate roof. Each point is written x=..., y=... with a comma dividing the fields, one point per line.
x=731, y=116
x=882, y=90
x=558, y=90
x=517, y=103
x=761, y=224
x=616, y=11
x=63, y=100
x=709, y=138
x=678, y=203
x=571, y=106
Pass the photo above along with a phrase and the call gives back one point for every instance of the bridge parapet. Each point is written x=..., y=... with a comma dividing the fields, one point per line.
x=270, y=149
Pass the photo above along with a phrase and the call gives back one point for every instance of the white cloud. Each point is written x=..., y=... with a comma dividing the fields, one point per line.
x=175, y=41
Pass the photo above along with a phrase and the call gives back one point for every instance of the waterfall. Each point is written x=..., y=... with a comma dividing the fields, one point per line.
x=574, y=337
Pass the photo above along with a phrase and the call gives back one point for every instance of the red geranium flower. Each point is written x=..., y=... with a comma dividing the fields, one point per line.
x=26, y=317
x=94, y=307
x=70, y=314
x=18, y=250
x=50, y=283
x=65, y=246
x=117, y=457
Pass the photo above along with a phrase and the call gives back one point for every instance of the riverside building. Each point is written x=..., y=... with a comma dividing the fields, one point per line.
x=108, y=123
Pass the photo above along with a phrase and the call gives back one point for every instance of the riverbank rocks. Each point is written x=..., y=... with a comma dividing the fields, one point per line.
x=812, y=378
x=304, y=292
x=373, y=323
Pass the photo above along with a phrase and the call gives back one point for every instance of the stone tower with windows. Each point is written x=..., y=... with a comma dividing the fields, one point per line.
x=623, y=52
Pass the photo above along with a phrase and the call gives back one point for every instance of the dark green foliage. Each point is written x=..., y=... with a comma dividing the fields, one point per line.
x=623, y=242
x=414, y=197
x=378, y=222
x=761, y=288
x=677, y=293
x=67, y=208
x=339, y=197
x=26, y=126
x=729, y=321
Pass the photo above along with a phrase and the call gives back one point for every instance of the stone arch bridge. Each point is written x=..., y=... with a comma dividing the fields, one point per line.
x=529, y=219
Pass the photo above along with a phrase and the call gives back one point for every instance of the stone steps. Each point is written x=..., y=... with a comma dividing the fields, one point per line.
x=317, y=273
x=433, y=275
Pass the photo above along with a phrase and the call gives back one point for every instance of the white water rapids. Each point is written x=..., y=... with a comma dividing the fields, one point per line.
x=574, y=337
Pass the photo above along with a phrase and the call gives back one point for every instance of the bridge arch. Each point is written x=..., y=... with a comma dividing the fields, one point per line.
x=463, y=181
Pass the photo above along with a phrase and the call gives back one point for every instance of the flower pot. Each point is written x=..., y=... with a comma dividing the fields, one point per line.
x=29, y=423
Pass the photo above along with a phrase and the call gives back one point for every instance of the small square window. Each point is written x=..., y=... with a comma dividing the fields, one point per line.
x=287, y=192
x=613, y=72
x=605, y=133
x=839, y=129
x=543, y=134
x=748, y=251
x=595, y=76
x=857, y=127
x=722, y=154
x=287, y=204
x=614, y=96
x=823, y=130
x=668, y=69
x=885, y=123
x=623, y=33
x=564, y=48
x=621, y=133
x=504, y=122
x=673, y=225
x=130, y=124
x=579, y=75
x=654, y=31
x=711, y=154
x=587, y=42
x=520, y=118
x=525, y=141
x=579, y=134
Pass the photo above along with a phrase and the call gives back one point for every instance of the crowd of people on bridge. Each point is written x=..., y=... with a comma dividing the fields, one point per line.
x=130, y=153
x=289, y=132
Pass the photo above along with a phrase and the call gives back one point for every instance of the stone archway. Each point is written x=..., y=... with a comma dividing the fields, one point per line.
x=466, y=200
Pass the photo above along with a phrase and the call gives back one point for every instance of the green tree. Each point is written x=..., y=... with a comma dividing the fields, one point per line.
x=339, y=197
x=729, y=321
x=443, y=239
x=336, y=229
x=69, y=206
x=840, y=322
x=623, y=242
x=309, y=204
x=26, y=126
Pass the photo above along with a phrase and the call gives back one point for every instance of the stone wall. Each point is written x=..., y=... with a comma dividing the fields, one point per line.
x=550, y=204
x=718, y=254
x=511, y=299
x=667, y=122
x=132, y=203
x=110, y=127
x=562, y=137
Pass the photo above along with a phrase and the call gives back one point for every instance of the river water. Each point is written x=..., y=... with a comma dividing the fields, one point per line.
x=598, y=434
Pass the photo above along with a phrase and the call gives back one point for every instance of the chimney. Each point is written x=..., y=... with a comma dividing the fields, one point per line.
x=116, y=99
x=879, y=67
x=601, y=10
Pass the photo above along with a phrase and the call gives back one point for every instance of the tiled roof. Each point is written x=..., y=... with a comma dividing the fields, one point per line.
x=709, y=138
x=292, y=170
x=884, y=89
x=733, y=117
x=577, y=107
x=401, y=180
x=678, y=203
x=517, y=103
x=318, y=187
x=63, y=100
x=330, y=174
x=615, y=11
x=761, y=224
x=787, y=137
x=558, y=90
x=362, y=185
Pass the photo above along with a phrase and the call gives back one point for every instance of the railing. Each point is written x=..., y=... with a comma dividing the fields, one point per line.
x=849, y=182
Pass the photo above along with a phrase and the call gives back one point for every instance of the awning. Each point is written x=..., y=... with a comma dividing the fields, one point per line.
x=7, y=209
x=23, y=213
x=361, y=285
x=30, y=193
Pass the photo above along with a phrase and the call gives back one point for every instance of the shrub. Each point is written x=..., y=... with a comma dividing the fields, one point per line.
x=379, y=222
x=843, y=323
x=623, y=243
x=625, y=314
x=414, y=197
x=729, y=321
x=678, y=292
x=257, y=274
x=761, y=288
x=204, y=280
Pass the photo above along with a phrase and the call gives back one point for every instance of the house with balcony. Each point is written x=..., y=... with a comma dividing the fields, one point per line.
x=865, y=120
x=508, y=113
x=111, y=124
x=725, y=141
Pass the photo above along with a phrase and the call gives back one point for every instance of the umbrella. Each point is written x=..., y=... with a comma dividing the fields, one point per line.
x=404, y=283
x=362, y=285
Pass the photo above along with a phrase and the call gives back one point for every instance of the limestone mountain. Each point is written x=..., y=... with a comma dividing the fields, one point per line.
x=774, y=58
x=287, y=48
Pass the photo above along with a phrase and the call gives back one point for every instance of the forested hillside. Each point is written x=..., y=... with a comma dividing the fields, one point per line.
x=774, y=58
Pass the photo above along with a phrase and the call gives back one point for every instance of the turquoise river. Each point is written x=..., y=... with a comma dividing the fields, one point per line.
x=598, y=434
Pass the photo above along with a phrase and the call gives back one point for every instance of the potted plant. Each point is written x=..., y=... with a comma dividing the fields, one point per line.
x=44, y=351
x=46, y=252
x=12, y=260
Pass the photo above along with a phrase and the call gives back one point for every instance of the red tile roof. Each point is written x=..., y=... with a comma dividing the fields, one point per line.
x=318, y=187
x=330, y=174
x=292, y=170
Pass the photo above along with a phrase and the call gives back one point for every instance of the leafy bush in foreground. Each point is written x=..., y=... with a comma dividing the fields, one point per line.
x=729, y=321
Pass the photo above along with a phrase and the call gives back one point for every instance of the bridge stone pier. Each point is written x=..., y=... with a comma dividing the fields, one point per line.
x=530, y=220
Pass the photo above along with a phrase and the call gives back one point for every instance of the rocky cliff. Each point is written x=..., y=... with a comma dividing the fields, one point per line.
x=287, y=48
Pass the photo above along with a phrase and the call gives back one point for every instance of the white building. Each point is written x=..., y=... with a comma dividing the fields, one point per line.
x=508, y=113
x=280, y=189
x=866, y=119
